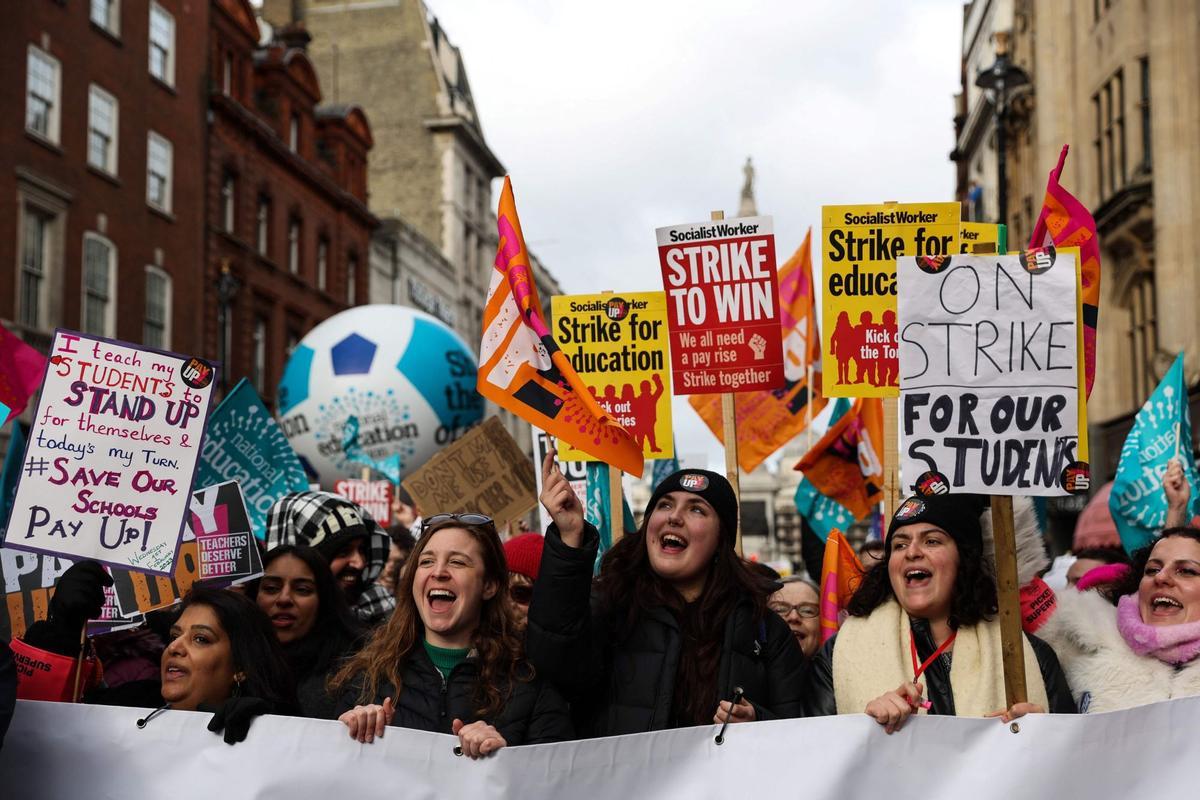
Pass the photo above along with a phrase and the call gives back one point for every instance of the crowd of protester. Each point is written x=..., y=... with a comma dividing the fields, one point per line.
x=439, y=625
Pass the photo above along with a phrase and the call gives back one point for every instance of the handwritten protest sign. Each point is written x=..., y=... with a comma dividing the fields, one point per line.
x=374, y=496
x=722, y=305
x=860, y=245
x=618, y=345
x=112, y=453
x=990, y=374
x=574, y=471
x=484, y=471
x=244, y=443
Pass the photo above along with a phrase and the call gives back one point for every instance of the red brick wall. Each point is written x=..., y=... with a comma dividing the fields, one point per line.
x=121, y=67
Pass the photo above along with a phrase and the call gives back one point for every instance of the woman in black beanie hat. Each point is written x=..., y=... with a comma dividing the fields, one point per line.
x=923, y=621
x=673, y=623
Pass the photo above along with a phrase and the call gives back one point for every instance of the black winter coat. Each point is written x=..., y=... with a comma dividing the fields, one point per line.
x=534, y=714
x=821, y=701
x=627, y=686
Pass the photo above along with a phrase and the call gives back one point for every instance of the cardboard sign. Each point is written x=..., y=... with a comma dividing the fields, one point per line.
x=859, y=248
x=484, y=471
x=374, y=496
x=244, y=443
x=618, y=345
x=112, y=454
x=990, y=374
x=574, y=471
x=722, y=305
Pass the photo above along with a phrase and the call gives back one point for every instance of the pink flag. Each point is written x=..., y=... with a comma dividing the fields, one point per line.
x=21, y=371
x=1066, y=222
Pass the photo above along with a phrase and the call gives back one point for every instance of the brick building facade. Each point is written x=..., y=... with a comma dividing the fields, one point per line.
x=288, y=230
x=101, y=174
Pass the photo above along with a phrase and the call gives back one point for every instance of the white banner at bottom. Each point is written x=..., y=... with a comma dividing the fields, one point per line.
x=55, y=750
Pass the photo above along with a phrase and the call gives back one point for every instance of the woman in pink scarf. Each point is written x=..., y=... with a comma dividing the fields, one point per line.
x=1145, y=650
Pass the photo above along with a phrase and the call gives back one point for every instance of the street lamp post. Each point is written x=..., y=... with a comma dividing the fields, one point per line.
x=998, y=79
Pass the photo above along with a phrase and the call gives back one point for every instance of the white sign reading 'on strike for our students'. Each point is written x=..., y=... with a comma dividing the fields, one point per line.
x=989, y=374
x=112, y=454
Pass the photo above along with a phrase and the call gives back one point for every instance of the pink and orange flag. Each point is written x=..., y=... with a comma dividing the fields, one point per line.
x=770, y=419
x=1066, y=222
x=21, y=371
x=846, y=464
x=521, y=367
x=841, y=573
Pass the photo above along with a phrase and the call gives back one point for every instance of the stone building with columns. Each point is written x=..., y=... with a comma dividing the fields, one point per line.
x=1117, y=81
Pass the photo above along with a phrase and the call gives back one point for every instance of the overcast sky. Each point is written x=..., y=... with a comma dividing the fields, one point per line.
x=616, y=118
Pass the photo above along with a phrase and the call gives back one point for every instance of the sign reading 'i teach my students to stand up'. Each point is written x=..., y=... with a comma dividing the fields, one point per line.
x=722, y=305
x=112, y=454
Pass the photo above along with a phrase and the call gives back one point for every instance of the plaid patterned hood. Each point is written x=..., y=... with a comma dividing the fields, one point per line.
x=326, y=522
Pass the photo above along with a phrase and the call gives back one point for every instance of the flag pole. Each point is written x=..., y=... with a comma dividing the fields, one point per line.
x=729, y=430
x=616, y=503
x=808, y=381
x=1012, y=639
x=891, y=447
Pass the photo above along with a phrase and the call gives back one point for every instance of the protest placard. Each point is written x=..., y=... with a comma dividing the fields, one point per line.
x=484, y=472
x=722, y=305
x=218, y=550
x=112, y=454
x=574, y=471
x=374, y=496
x=618, y=345
x=28, y=580
x=860, y=245
x=982, y=237
x=990, y=375
x=244, y=443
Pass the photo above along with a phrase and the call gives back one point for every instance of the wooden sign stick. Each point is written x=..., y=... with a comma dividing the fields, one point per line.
x=729, y=432
x=1012, y=638
x=616, y=503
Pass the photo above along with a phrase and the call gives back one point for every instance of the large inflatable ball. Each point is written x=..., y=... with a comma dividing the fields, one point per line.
x=377, y=386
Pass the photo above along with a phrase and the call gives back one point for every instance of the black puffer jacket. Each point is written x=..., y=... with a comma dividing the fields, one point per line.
x=821, y=701
x=618, y=687
x=534, y=714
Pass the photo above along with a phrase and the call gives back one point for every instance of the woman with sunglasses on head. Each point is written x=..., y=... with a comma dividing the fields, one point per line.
x=675, y=623
x=450, y=658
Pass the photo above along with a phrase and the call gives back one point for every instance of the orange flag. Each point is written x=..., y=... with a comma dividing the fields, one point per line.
x=846, y=465
x=522, y=369
x=841, y=573
x=770, y=419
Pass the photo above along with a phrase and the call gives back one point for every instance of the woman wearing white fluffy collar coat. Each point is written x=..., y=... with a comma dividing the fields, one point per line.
x=1146, y=649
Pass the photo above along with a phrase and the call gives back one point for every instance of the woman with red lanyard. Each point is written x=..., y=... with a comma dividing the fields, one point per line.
x=922, y=636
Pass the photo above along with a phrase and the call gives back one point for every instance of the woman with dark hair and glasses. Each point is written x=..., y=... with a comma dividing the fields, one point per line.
x=675, y=624
x=312, y=619
x=450, y=658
